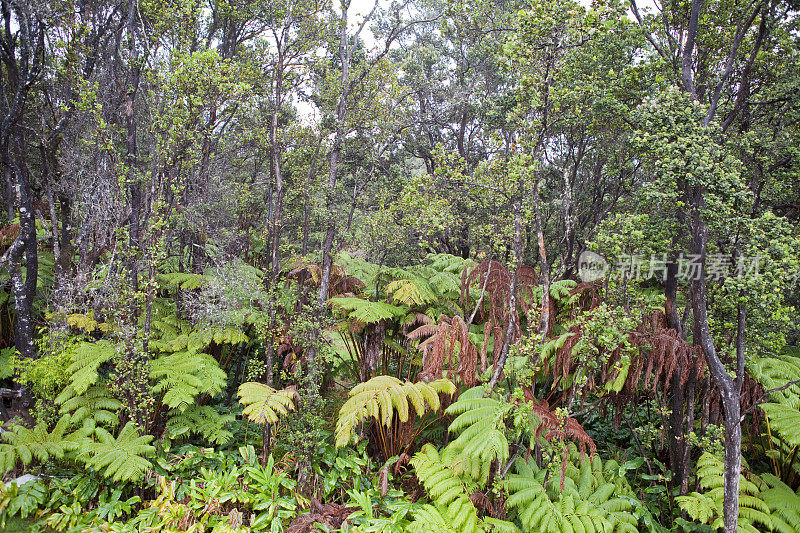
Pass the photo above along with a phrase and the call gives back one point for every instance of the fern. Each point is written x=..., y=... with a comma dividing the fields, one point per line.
x=26, y=444
x=96, y=403
x=202, y=420
x=86, y=323
x=86, y=360
x=368, y=312
x=182, y=376
x=588, y=501
x=383, y=396
x=264, y=404
x=483, y=430
x=415, y=291
x=121, y=458
x=445, y=488
x=184, y=280
x=784, y=504
x=561, y=288
x=706, y=507
x=199, y=339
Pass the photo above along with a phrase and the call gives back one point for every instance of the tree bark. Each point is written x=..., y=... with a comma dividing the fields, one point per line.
x=726, y=385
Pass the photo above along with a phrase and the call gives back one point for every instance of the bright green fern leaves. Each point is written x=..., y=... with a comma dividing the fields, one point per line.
x=483, y=431
x=452, y=510
x=25, y=445
x=592, y=499
x=706, y=507
x=181, y=376
x=383, y=396
x=121, y=458
x=264, y=404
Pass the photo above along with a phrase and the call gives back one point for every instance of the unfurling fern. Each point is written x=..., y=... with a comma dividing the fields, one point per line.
x=202, y=420
x=264, y=404
x=182, y=376
x=121, y=458
x=383, y=396
x=591, y=499
x=26, y=444
x=706, y=507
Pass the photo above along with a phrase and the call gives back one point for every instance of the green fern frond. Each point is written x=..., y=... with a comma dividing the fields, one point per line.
x=366, y=311
x=264, y=404
x=184, y=280
x=706, y=507
x=445, y=489
x=96, y=403
x=86, y=360
x=410, y=292
x=121, y=458
x=26, y=444
x=181, y=376
x=202, y=420
x=481, y=423
x=383, y=396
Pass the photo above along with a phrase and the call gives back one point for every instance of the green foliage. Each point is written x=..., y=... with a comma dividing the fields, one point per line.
x=95, y=403
x=181, y=376
x=264, y=404
x=452, y=509
x=22, y=501
x=86, y=360
x=201, y=420
x=482, y=439
x=368, y=312
x=384, y=396
x=25, y=445
x=121, y=458
x=592, y=498
x=706, y=507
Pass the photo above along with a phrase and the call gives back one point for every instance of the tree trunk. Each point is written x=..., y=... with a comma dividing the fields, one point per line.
x=727, y=388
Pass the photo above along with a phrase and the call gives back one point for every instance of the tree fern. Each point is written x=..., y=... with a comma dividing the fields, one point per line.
x=590, y=499
x=706, y=507
x=95, y=403
x=181, y=376
x=26, y=444
x=784, y=504
x=202, y=420
x=446, y=490
x=415, y=291
x=264, y=404
x=199, y=339
x=86, y=360
x=383, y=396
x=483, y=431
x=121, y=458
x=183, y=280
x=366, y=311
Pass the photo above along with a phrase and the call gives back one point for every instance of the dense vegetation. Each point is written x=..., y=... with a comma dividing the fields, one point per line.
x=469, y=266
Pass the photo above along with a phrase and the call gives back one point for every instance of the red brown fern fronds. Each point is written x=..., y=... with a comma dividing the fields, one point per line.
x=446, y=340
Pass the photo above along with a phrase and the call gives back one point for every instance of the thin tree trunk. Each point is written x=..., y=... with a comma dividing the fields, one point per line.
x=727, y=388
